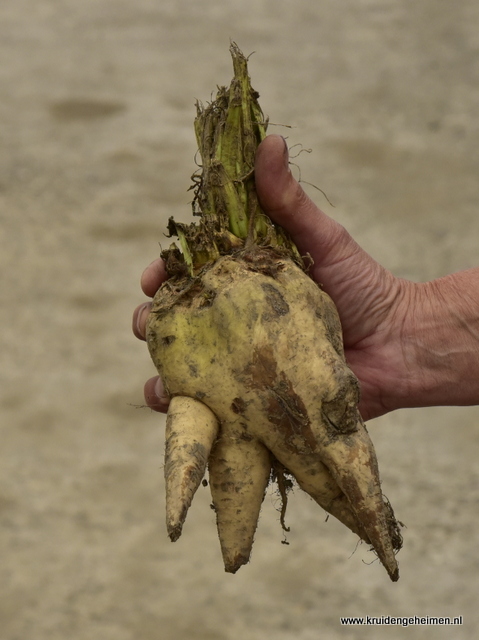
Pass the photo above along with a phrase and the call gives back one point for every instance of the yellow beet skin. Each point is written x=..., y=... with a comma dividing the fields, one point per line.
x=258, y=343
x=191, y=429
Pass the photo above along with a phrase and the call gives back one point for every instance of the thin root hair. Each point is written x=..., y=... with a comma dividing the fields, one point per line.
x=280, y=124
x=318, y=189
x=302, y=150
x=358, y=542
x=300, y=179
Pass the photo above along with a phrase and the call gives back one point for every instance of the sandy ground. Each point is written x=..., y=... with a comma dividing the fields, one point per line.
x=96, y=139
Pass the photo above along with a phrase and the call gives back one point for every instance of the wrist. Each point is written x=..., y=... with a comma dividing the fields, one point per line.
x=440, y=341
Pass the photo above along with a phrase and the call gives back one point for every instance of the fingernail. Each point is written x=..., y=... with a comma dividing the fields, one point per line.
x=160, y=392
x=285, y=153
x=139, y=324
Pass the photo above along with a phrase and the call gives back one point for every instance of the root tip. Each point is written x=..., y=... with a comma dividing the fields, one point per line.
x=174, y=532
x=394, y=575
x=232, y=566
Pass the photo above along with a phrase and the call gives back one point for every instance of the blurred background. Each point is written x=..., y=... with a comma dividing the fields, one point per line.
x=96, y=152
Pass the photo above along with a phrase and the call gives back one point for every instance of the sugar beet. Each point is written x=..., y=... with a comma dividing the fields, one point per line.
x=250, y=349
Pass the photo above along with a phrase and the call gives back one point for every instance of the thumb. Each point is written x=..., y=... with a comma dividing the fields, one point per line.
x=285, y=202
x=360, y=287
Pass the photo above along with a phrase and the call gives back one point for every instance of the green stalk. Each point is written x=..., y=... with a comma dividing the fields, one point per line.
x=228, y=132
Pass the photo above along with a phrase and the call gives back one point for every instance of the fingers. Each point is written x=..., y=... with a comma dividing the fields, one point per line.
x=140, y=314
x=155, y=395
x=153, y=277
x=151, y=280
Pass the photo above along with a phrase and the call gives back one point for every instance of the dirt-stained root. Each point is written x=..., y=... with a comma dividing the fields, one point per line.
x=191, y=429
x=274, y=386
x=239, y=474
x=250, y=350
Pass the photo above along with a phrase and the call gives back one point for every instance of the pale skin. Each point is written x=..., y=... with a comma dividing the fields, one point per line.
x=410, y=344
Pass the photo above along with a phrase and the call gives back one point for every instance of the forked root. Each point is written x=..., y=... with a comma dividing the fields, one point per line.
x=240, y=325
x=191, y=429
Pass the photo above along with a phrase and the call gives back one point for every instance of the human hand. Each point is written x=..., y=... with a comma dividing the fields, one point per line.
x=151, y=280
x=371, y=302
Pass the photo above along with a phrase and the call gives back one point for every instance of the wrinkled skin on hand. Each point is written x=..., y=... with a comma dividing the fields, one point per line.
x=258, y=343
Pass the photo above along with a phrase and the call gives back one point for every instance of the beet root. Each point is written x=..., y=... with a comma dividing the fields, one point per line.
x=256, y=345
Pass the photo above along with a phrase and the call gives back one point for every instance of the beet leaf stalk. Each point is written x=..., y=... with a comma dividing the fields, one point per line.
x=228, y=132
